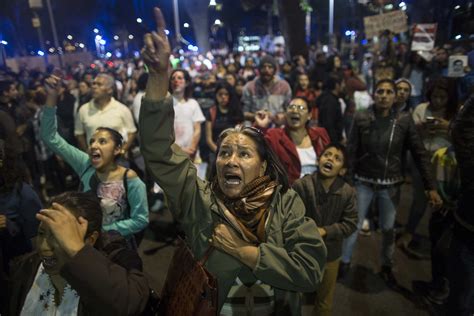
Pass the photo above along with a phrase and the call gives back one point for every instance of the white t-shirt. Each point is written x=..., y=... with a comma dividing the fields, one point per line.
x=114, y=115
x=308, y=159
x=186, y=113
x=137, y=103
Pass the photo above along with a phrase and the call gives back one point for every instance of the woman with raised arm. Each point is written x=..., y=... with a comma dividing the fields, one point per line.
x=246, y=211
x=122, y=192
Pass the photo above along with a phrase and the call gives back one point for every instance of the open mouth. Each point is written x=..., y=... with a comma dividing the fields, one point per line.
x=232, y=179
x=95, y=156
x=327, y=167
x=295, y=118
x=49, y=262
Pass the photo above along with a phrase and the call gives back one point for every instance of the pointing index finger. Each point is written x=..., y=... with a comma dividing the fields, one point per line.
x=160, y=21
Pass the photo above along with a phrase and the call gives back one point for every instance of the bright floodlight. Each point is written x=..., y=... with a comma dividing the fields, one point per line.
x=402, y=4
x=212, y=3
x=102, y=42
x=116, y=37
x=41, y=53
x=217, y=22
x=348, y=33
x=98, y=37
x=457, y=7
x=186, y=25
x=51, y=50
x=81, y=45
x=130, y=37
x=190, y=47
x=139, y=20
x=4, y=42
x=69, y=37
x=167, y=32
x=458, y=37
x=108, y=55
x=96, y=31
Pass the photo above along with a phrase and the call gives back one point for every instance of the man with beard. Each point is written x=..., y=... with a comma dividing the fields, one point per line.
x=266, y=93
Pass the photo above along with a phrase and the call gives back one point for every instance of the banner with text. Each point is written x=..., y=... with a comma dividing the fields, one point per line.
x=395, y=21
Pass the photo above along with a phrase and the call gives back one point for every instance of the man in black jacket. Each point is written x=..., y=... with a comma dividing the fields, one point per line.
x=330, y=113
x=461, y=279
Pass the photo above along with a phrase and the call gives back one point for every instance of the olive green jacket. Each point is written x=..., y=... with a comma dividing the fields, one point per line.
x=292, y=258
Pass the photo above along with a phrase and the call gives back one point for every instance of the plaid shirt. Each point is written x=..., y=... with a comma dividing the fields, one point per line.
x=256, y=96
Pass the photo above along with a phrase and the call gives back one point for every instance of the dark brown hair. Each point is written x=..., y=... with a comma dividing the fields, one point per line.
x=275, y=168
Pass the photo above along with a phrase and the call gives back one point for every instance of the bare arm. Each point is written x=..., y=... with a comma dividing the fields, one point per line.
x=81, y=141
x=196, y=136
x=209, y=140
x=131, y=138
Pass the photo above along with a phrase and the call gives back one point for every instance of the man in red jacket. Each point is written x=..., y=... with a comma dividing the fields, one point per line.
x=297, y=145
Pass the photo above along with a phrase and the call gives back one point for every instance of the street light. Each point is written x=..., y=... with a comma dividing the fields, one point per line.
x=116, y=37
x=139, y=20
x=130, y=37
x=40, y=53
x=212, y=3
x=217, y=22
x=186, y=25
x=69, y=37
x=96, y=31
x=81, y=45
x=4, y=42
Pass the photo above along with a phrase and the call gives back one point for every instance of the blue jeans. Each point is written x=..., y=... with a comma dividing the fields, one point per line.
x=387, y=198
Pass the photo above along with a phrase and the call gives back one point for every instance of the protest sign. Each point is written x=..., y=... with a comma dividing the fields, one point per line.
x=395, y=21
x=423, y=37
x=456, y=65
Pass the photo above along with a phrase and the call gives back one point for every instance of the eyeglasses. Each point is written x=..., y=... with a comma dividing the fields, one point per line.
x=300, y=108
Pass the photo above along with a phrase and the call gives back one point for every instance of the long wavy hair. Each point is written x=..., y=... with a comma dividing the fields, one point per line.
x=236, y=115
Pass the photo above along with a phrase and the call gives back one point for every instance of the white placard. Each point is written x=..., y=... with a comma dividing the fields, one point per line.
x=456, y=65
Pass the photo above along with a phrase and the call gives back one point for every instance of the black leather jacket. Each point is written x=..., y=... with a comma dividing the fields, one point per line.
x=463, y=141
x=375, y=155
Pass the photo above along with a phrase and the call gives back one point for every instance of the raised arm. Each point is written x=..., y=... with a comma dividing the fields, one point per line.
x=166, y=162
x=76, y=158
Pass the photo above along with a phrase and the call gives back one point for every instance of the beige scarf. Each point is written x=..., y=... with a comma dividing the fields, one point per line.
x=251, y=207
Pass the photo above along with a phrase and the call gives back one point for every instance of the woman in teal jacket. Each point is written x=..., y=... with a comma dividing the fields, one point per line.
x=246, y=211
x=122, y=192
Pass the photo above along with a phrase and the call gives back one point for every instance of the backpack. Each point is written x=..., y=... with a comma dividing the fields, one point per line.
x=94, y=183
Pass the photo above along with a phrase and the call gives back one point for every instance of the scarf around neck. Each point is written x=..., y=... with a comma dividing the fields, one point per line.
x=250, y=209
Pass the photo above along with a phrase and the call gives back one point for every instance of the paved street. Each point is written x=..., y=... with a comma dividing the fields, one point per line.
x=361, y=293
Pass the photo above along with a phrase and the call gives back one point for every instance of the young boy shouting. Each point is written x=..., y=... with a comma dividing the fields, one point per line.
x=331, y=202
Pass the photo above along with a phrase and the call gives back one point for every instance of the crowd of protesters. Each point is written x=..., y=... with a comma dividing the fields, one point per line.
x=344, y=132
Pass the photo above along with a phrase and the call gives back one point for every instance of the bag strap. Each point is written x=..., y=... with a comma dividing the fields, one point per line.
x=125, y=185
x=206, y=255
